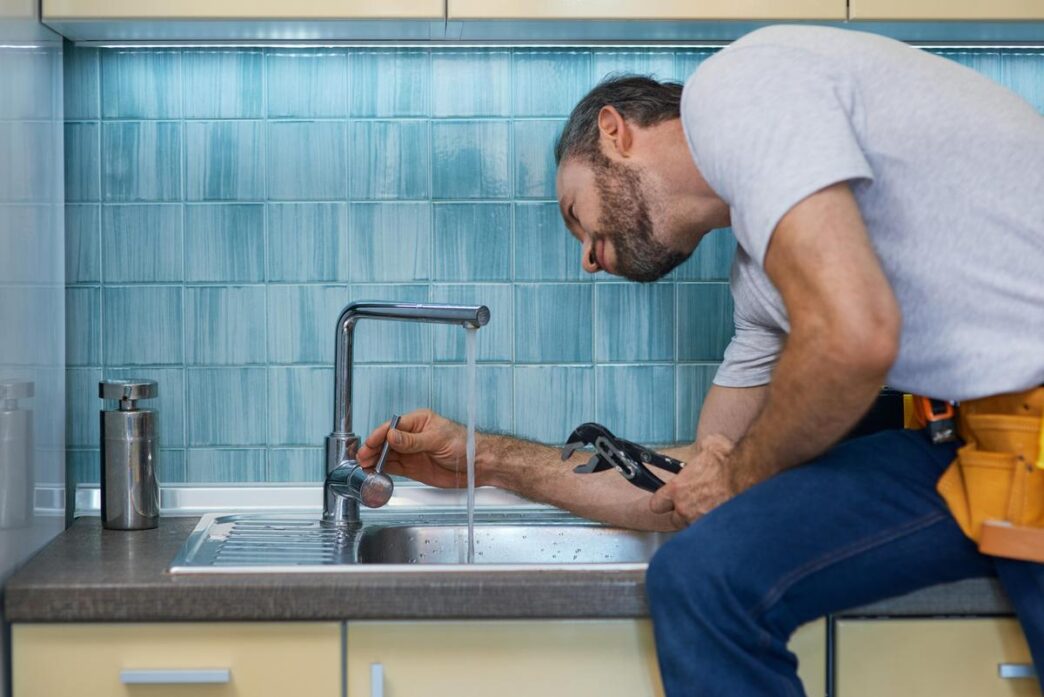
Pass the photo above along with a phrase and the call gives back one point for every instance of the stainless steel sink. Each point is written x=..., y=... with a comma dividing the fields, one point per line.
x=255, y=543
x=553, y=542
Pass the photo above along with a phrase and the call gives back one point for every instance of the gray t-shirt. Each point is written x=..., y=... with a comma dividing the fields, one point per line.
x=947, y=168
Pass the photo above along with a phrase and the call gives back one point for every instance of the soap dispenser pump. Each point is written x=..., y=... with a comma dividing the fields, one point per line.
x=129, y=455
x=16, y=455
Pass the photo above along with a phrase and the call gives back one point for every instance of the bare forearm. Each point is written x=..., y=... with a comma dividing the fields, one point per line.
x=730, y=411
x=537, y=472
x=845, y=324
x=815, y=397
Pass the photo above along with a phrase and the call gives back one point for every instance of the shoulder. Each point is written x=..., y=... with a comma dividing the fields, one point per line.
x=762, y=62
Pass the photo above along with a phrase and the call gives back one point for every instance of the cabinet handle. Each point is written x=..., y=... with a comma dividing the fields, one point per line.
x=376, y=680
x=1016, y=671
x=176, y=677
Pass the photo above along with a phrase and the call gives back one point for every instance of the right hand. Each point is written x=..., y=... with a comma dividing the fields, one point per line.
x=426, y=447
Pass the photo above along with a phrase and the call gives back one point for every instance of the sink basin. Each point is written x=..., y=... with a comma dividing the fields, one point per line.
x=252, y=543
x=554, y=542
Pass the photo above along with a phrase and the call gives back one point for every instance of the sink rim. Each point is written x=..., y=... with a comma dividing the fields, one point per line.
x=181, y=565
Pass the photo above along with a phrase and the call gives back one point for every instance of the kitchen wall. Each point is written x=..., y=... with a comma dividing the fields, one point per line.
x=32, y=289
x=32, y=286
x=223, y=205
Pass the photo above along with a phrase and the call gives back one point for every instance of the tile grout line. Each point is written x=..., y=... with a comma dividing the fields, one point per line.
x=266, y=272
x=432, y=241
x=183, y=210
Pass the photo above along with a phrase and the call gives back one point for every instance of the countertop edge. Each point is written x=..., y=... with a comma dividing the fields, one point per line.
x=89, y=575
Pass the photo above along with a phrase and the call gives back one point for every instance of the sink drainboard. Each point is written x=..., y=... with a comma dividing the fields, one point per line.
x=237, y=541
x=254, y=543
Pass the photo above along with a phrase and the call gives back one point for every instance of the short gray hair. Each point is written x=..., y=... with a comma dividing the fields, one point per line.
x=639, y=99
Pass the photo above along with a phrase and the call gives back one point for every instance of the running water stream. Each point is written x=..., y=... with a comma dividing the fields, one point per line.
x=471, y=389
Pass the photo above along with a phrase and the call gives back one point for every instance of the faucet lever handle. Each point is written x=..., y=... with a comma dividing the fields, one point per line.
x=379, y=469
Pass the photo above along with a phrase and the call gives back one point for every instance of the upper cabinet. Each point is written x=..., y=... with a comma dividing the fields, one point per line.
x=243, y=9
x=246, y=20
x=994, y=10
x=559, y=21
x=647, y=9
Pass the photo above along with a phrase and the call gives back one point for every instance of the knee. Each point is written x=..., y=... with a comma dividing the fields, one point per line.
x=695, y=565
x=663, y=574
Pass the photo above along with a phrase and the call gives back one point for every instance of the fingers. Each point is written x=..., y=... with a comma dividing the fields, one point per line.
x=670, y=499
x=371, y=447
x=413, y=422
x=391, y=466
x=662, y=500
x=405, y=442
x=416, y=420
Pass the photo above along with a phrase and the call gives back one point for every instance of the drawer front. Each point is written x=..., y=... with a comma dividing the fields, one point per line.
x=955, y=658
x=177, y=660
x=595, y=658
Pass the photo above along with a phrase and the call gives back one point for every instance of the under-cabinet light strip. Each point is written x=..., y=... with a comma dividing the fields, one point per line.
x=435, y=44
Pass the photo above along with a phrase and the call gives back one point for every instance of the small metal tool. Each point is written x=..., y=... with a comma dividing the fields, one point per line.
x=379, y=469
x=629, y=459
x=375, y=487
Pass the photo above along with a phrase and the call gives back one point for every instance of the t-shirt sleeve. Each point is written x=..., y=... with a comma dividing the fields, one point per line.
x=769, y=126
x=751, y=356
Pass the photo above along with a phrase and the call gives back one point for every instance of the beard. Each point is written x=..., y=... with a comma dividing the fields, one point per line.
x=625, y=221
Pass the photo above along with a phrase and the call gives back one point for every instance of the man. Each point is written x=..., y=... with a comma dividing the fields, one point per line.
x=889, y=210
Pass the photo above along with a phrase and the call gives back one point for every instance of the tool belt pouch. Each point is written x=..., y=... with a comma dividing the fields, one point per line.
x=995, y=487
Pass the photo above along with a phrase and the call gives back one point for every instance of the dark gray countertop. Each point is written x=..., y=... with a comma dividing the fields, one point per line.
x=91, y=575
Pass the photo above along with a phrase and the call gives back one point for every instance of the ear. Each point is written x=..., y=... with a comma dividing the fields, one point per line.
x=614, y=131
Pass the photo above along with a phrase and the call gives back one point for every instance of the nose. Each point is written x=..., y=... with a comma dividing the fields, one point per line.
x=587, y=258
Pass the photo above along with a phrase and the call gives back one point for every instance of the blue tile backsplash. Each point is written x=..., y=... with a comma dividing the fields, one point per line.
x=143, y=243
x=141, y=161
x=222, y=85
x=224, y=204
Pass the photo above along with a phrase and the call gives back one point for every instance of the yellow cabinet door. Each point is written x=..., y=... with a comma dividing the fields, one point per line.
x=243, y=9
x=176, y=660
x=522, y=658
x=933, y=658
x=649, y=9
x=946, y=9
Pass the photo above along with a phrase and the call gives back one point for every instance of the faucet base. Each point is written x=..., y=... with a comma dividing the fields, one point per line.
x=338, y=509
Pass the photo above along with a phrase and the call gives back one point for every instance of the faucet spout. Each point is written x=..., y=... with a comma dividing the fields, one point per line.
x=343, y=487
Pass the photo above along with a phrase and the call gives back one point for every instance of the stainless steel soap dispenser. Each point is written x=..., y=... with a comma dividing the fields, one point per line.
x=16, y=456
x=129, y=454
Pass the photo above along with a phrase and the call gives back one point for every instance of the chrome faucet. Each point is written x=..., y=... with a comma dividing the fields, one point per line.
x=347, y=482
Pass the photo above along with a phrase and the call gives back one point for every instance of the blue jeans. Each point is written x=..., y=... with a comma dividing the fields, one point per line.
x=858, y=524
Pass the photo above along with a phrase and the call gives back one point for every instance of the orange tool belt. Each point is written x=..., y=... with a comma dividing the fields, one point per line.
x=995, y=487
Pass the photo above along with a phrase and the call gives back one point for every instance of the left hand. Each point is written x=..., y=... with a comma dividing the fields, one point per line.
x=704, y=484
